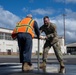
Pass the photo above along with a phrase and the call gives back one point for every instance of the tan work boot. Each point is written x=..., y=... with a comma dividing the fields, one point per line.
x=43, y=65
x=62, y=70
x=26, y=67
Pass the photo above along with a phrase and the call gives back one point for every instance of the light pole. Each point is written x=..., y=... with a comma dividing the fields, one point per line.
x=64, y=28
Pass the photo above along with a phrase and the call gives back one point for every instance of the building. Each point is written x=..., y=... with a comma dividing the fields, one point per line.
x=71, y=48
x=7, y=44
x=10, y=47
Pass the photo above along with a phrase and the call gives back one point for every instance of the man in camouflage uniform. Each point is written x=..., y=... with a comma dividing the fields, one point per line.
x=51, y=40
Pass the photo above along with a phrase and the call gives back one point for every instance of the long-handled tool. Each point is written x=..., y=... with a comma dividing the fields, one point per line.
x=38, y=58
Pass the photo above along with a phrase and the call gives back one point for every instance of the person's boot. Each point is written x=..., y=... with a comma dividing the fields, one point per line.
x=62, y=70
x=43, y=65
x=62, y=67
x=26, y=67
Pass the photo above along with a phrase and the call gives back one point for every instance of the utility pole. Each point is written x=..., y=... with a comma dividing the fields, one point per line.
x=64, y=23
x=64, y=28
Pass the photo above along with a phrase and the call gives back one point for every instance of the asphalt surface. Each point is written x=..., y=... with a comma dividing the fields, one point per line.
x=9, y=65
x=68, y=59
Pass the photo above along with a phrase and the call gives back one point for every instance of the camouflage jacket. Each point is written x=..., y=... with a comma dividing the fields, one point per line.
x=50, y=31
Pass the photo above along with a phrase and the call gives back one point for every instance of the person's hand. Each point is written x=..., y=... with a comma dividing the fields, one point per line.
x=46, y=37
x=42, y=37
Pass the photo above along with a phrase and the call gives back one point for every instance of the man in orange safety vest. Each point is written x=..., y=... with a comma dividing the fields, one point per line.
x=24, y=32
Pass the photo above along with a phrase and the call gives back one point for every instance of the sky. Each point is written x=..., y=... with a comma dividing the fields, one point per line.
x=12, y=11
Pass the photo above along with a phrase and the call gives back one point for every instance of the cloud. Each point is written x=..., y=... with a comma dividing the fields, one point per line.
x=70, y=25
x=71, y=37
x=7, y=19
x=66, y=1
x=43, y=11
x=70, y=14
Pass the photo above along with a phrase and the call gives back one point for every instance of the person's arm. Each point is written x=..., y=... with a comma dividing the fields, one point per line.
x=36, y=29
x=41, y=29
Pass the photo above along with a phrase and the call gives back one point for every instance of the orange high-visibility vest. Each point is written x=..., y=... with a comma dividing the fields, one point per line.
x=25, y=26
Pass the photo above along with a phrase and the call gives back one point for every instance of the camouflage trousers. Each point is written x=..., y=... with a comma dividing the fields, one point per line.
x=56, y=48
